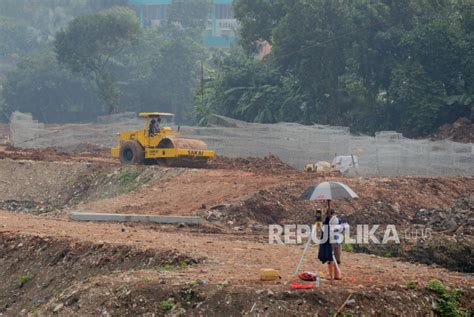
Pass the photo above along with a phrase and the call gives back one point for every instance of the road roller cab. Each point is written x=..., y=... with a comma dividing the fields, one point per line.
x=157, y=143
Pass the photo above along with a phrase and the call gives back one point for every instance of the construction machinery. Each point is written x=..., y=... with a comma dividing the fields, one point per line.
x=161, y=145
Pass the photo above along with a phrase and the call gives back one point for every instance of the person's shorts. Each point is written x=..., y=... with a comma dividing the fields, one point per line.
x=337, y=249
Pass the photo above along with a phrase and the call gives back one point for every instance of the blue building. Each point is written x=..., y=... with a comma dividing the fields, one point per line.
x=220, y=31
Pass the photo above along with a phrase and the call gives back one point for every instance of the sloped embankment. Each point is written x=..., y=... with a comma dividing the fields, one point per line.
x=36, y=270
x=41, y=186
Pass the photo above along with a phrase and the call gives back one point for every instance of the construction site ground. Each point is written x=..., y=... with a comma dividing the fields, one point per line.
x=53, y=266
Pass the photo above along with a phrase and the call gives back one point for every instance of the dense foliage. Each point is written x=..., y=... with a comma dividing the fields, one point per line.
x=405, y=65
x=161, y=72
x=29, y=25
x=40, y=86
x=100, y=61
x=375, y=65
x=90, y=43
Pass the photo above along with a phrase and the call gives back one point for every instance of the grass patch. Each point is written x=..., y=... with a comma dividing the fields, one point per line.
x=129, y=179
x=184, y=264
x=346, y=313
x=167, y=305
x=448, y=299
x=165, y=267
x=25, y=278
x=346, y=247
x=128, y=176
x=410, y=284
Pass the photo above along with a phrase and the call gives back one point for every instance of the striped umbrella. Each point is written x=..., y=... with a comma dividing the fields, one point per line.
x=329, y=191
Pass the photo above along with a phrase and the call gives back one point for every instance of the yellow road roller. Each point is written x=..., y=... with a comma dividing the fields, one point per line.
x=157, y=144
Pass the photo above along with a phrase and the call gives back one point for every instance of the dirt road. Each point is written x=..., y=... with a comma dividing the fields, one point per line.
x=231, y=257
x=234, y=260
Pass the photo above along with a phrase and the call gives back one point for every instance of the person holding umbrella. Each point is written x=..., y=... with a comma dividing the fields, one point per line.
x=329, y=191
x=325, y=252
x=334, y=221
x=329, y=252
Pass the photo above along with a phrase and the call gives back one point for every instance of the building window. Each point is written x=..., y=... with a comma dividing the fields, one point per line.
x=224, y=11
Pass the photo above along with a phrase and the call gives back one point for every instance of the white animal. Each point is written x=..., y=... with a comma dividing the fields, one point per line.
x=318, y=167
x=323, y=167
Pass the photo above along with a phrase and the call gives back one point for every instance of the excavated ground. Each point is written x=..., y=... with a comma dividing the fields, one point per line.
x=90, y=277
x=55, y=266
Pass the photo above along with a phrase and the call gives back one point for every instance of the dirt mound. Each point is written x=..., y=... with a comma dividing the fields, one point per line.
x=441, y=236
x=182, y=191
x=451, y=242
x=269, y=206
x=403, y=195
x=278, y=204
x=462, y=130
x=42, y=186
x=15, y=205
x=49, y=154
x=83, y=152
x=382, y=201
x=449, y=245
x=452, y=252
x=459, y=218
x=377, y=212
x=39, y=186
x=34, y=270
x=266, y=165
x=87, y=149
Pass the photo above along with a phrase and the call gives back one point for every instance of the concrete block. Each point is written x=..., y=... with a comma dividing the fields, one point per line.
x=89, y=216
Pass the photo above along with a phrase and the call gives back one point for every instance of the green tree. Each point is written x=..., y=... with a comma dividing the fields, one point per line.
x=39, y=85
x=252, y=90
x=370, y=65
x=161, y=73
x=28, y=25
x=16, y=37
x=258, y=18
x=432, y=88
x=417, y=100
x=90, y=43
